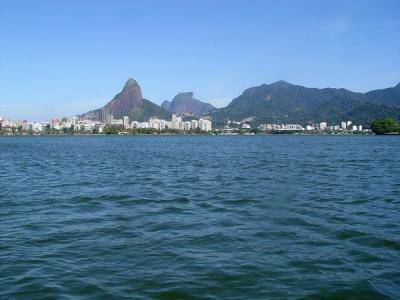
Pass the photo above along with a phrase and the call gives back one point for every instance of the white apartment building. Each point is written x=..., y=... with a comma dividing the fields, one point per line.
x=125, y=121
x=186, y=125
x=205, y=125
x=155, y=123
x=37, y=127
x=135, y=124
x=194, y=124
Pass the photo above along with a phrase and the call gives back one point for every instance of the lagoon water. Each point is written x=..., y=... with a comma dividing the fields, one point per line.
x=175, y=217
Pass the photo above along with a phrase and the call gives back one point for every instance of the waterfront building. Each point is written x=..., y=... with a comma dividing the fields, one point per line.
x=291, y=127
x=25, y=126
x=74, y=120
x=322, y=126
x=37, y=127
x=162, y=124
x=168, y=125
x=155, y=123
x=194, y=124
x=100, y=127
x=102, y=115
x=109, y=119
x=126, y=121
x=176, y=122
x=186, y=125
x=309, y=128
x=135, y=124
x=205, y=125
x=334, y=128
x=117, y=122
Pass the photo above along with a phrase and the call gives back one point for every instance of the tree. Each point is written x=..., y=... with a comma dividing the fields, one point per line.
x=386, y=125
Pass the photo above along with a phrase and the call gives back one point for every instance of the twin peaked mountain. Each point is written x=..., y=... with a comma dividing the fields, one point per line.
x=279, y=102
x=130, y=102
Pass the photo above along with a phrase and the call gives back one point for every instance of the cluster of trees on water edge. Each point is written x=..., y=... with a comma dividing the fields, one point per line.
x=385, y=126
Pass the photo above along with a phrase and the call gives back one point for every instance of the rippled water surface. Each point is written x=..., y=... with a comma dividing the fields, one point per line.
x=176, y=217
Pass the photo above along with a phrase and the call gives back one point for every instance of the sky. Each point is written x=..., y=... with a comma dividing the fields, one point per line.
x=65, y=57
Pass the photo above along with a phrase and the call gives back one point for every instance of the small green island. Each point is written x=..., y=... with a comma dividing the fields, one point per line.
x=387, y=126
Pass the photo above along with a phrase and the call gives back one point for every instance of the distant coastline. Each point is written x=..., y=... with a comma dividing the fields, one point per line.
x=194, y=134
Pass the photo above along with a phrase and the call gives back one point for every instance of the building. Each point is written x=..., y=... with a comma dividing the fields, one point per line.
x=109, y=119
x=102, y=115
x=125, y=121
x=37, y=127
x=292, y=127
x=194, y=124
x=310, y=128
x=186, y=126
x=176, y=122
x=155, y=123
x=74, y=120
x=322, y=126
x=135, y=124
x=205, y=125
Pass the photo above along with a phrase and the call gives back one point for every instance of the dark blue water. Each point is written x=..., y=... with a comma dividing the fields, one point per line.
x=260, y=217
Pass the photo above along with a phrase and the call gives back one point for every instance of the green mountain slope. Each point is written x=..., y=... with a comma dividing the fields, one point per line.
x=146, y=110
x=389, y=97
x=130, y=102
x=282, y=102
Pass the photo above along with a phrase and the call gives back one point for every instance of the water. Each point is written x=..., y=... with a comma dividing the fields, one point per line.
x=259, y=217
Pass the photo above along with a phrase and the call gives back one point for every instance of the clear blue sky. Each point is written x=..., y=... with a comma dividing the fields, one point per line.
x=60, y=58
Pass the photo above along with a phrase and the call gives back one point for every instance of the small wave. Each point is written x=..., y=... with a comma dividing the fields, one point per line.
x=240, y=201
x=378, y=242
x=349, y=234
x=360, y=290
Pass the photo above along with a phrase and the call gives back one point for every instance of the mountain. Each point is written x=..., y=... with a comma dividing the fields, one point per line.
x=282, y=102
x=130, y=102
x=388, y=97
x=184, y=102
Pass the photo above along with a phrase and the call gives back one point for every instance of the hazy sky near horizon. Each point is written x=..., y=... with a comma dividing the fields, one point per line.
x=59, y=58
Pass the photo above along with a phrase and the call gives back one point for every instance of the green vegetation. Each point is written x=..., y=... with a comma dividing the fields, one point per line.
x=109, y=130
x=385, y=126
x=145, y=111
x=285, y=103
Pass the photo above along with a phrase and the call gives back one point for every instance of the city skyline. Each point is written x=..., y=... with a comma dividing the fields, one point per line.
x=63, y=58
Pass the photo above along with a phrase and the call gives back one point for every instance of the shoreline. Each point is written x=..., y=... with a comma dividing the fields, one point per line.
x=166, y=134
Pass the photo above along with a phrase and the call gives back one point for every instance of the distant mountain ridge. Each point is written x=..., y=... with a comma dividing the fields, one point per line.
x=130, y=102
x=388, y=96
x=278, y=102
x=282, y=102
x=185, y=102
